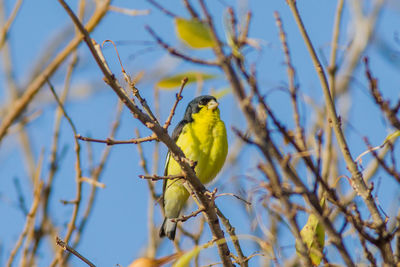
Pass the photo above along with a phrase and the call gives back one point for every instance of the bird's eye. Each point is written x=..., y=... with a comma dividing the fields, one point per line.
x=203, y=102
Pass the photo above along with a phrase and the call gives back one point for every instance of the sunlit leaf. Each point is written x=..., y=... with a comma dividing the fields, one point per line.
x=185, y=259
x=313, y=235
x=218, y=94
x=391, y=136
x=174, y=81
x=194, y=33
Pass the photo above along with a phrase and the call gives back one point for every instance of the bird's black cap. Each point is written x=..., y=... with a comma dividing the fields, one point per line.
x=193, y=106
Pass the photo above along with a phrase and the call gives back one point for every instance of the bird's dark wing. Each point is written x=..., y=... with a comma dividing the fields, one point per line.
x=175, y=134
x=178, y=129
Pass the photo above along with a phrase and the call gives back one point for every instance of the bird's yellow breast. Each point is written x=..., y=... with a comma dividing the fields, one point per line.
x=204, y=141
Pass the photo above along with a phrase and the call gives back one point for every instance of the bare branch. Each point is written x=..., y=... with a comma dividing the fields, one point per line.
x=129, y=12
x=234, y=195
x=157, y=177
x=162, y=9
x=178, y=98
x=191, y=9
x=30, y=221
x=65, y=246
x=379, y=100
x=78, y=178
x=110, y=141
x=291, y=73
x=9, y=22
x=184, y=218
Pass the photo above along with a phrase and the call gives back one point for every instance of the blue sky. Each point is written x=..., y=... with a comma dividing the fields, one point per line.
x=117, y=230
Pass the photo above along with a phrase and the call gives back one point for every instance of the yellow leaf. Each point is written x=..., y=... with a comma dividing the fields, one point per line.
x=218, y=94
x=174, y=81
x=394, y=135
x=194, y=33
x=185, y=259
x=313, y=235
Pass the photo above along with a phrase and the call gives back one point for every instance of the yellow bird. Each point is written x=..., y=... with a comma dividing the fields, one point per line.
x=202, y=137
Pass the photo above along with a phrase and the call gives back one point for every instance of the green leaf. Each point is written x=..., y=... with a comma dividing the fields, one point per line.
x=174, y=81
x=194, y=33
x=313, y=235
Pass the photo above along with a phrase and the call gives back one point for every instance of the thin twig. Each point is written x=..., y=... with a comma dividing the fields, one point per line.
x=15, y=90
x=383, y=104
x=29, y=223
x=153, y=239
x=21, y=198
x=47, y=226
x=332, y=71
x=96, y=173
x=110, y=141
x=131, y=84
x=157, y=177
x=390, y=170
x=9, y=22
x=31, y=231
x=61, y=106
x=129, y=12
x=242, y=39
x=92, y=182
x=234, y=195
x=162, y=9
x=363, y=30
x=78, y=176
x=65, y=246
x=184, y=218
x=190, y=8
x=178, y=98
x=291, y=73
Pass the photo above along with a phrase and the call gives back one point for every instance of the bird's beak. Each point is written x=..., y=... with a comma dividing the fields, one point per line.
x=212, y=105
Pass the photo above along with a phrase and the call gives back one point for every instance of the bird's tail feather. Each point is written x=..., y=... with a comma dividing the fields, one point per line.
x=168, y=228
